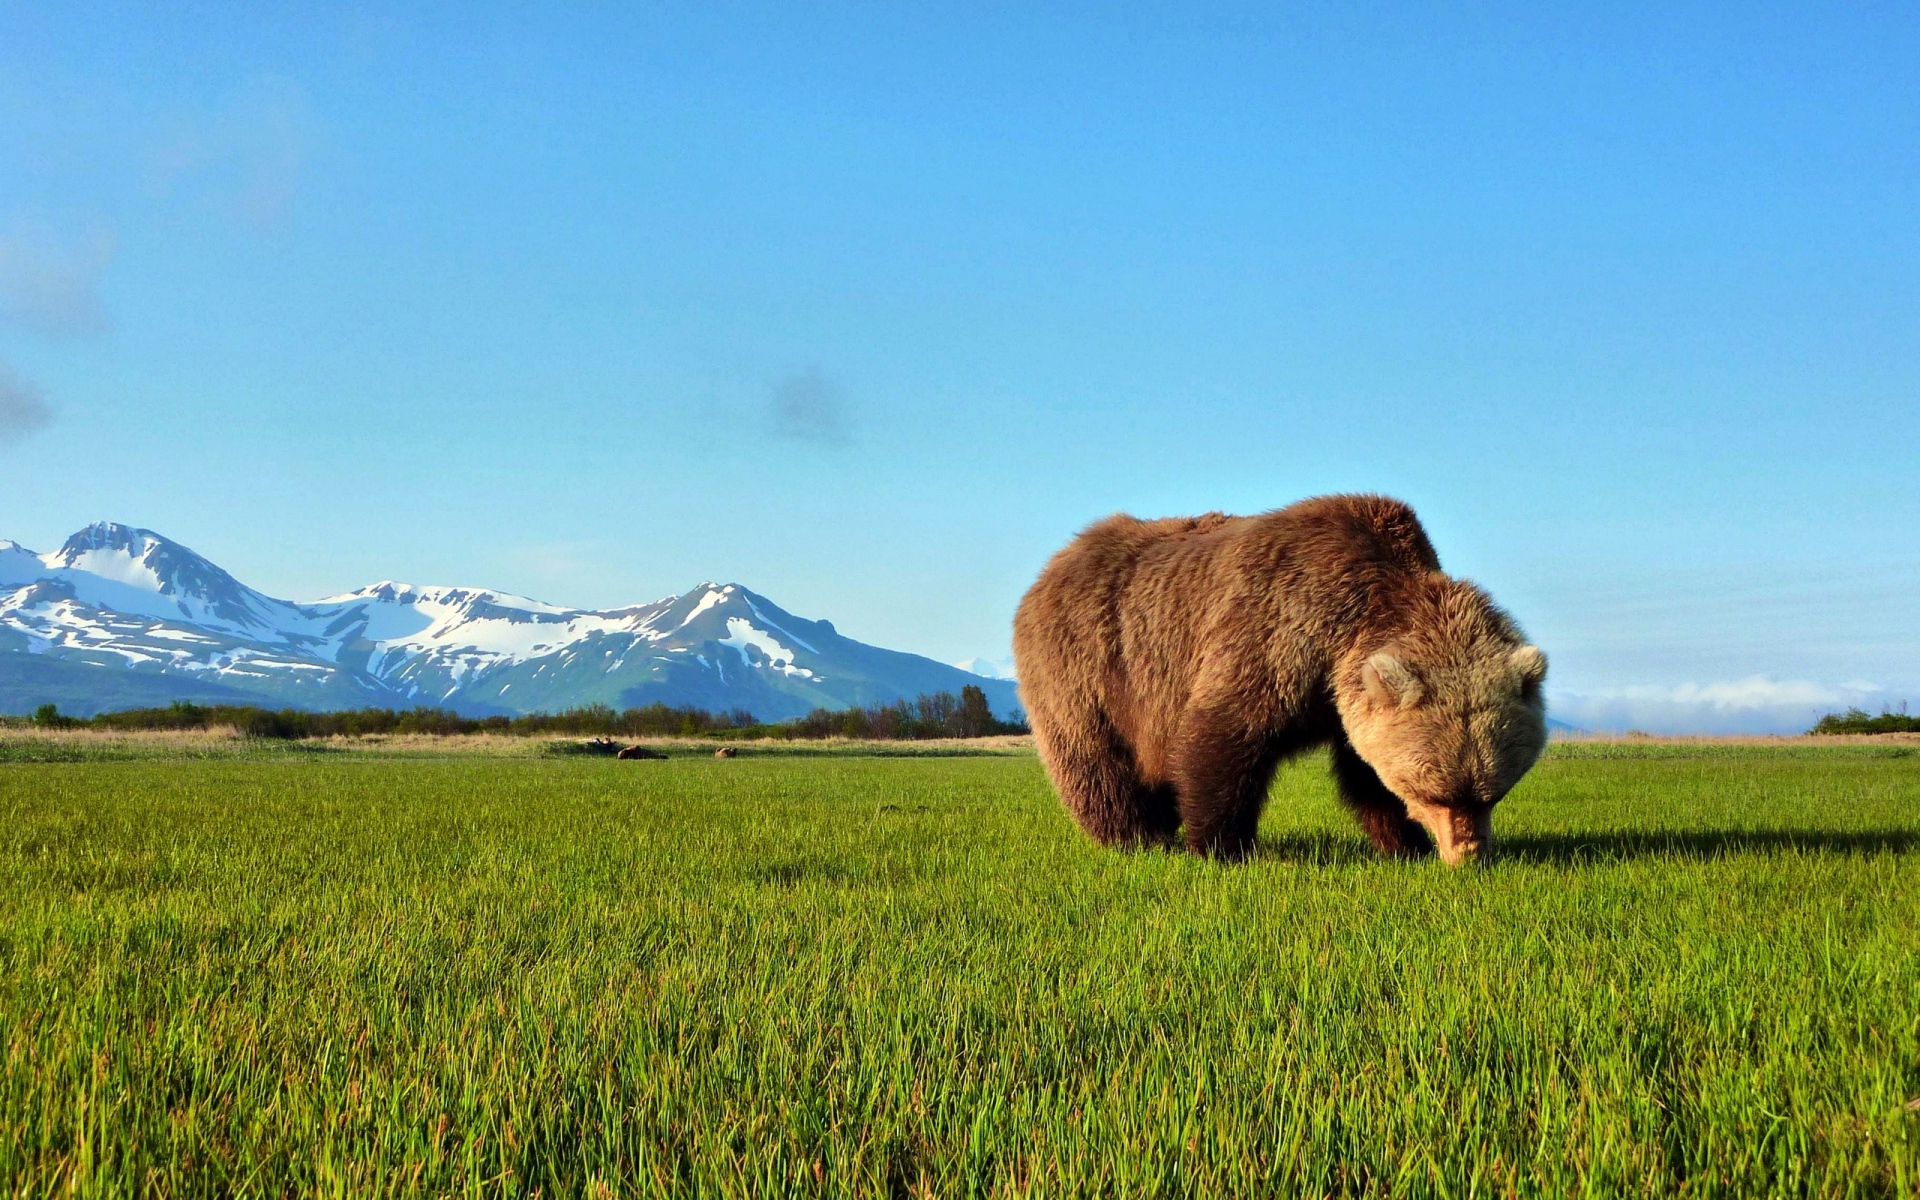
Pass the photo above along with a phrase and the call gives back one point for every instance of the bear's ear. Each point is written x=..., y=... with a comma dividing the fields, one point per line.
x=1389, y=681
x=1531, y=666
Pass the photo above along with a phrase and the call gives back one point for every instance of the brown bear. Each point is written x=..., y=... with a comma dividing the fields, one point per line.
x=1167, y=667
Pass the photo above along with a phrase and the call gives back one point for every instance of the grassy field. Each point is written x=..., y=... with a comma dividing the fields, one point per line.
x=1695, y=971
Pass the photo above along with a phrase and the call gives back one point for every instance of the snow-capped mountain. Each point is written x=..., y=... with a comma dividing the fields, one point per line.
x=121, y=616
x=991, y=668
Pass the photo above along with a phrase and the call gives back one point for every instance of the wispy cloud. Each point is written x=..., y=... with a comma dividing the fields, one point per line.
x=246, y=158
x=23, y=412
x=1756, y=704
x=51, y=286
x=809, y=407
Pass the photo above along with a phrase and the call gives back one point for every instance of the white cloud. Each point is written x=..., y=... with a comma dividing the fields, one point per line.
x=246, y=158
x=52, y=286
x=1755, y=692
x=1756, y=704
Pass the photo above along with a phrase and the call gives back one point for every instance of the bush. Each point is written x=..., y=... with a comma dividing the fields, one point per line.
x=1856, y=720
x=288, y=724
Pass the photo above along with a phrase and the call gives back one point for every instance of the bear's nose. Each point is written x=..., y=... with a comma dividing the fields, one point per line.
x=1469, y=836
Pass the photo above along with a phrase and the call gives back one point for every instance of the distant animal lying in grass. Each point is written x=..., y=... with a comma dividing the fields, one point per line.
x=1167, y=667
x=600, y=747
x=726, y=752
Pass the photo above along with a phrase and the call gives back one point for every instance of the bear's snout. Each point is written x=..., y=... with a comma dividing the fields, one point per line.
x=1463, y=835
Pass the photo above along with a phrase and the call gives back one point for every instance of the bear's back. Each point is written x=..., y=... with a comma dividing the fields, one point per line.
x=1184, y=574
x=1124, y=616
x=1079, y=595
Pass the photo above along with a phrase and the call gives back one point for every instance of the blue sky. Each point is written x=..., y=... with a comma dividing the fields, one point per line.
x=870, y=308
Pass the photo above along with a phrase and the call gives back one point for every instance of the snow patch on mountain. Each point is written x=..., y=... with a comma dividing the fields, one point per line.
x=755, y=610
x=741, y=635
x=714, y=596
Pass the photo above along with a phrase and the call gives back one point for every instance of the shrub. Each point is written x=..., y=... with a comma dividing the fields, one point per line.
x=1856, y=720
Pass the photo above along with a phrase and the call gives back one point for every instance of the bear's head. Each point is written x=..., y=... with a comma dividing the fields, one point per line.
x=1447, y=711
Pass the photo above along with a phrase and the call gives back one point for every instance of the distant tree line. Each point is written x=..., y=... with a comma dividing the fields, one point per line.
x=941, y=715
x=1856, y=720
x=253, y=721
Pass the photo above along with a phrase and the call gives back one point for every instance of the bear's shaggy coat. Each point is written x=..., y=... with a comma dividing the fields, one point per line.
x=1168, y=666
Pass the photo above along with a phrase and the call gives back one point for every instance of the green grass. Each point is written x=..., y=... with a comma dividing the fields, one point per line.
x=1692, y=973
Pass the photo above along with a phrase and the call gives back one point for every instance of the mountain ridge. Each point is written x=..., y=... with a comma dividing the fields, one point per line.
x=127, y=600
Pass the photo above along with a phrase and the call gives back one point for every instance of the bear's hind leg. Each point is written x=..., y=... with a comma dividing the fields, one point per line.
x=1096, y=779
x=1382, y=814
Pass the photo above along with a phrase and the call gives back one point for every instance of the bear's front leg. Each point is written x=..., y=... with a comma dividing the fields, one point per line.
x=1382, y=814
x=1093, y=772
x=1221, y=770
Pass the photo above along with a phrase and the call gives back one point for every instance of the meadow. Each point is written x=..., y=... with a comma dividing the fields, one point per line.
x=1694, y=971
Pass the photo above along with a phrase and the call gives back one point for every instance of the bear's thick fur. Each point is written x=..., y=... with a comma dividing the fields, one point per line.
x=1167, y=667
